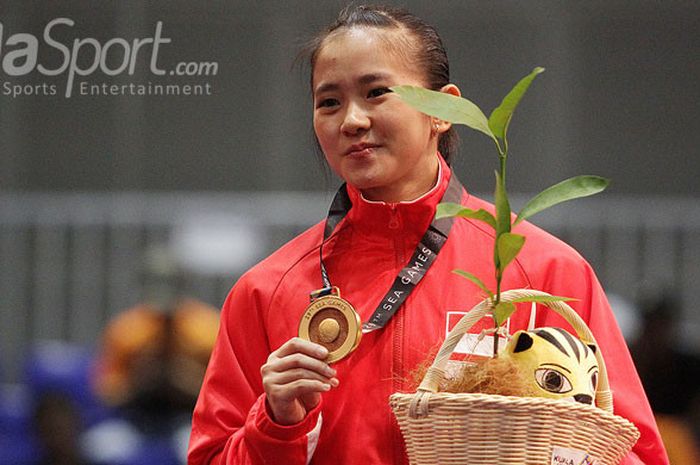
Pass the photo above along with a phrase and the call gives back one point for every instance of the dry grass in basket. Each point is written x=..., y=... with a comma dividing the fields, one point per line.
x=490, y=376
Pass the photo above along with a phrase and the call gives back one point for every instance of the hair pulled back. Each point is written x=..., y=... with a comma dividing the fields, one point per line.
x=427, y=51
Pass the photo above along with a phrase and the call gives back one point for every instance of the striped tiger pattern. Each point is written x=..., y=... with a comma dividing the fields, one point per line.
x=559, y=364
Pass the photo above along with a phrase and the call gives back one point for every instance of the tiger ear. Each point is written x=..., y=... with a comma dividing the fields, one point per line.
x=523, y=342
x=593, y=347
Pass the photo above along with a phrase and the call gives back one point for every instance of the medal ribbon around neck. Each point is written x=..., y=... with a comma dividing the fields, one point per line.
x=408, y=278
x=331, y=321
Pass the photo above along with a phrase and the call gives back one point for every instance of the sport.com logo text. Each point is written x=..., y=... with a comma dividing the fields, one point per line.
x=116, y=56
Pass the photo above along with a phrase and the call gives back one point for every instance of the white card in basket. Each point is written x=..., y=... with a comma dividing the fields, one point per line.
x=474, y=343
x=565, y=456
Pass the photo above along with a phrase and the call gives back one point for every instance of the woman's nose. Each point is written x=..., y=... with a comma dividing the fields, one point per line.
x=355, y=120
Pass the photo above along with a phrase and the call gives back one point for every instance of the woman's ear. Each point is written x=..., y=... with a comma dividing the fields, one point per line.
x=440, y=125
x=451, y=89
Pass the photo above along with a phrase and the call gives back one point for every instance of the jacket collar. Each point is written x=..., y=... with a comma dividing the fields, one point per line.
x=408, y=218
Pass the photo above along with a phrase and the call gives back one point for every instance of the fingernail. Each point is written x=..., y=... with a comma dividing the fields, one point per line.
x=326, y=387
x=322, y=352
x=335, y=382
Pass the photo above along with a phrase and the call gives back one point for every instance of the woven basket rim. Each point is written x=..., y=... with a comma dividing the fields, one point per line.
x=519, y=401
x=454, y=422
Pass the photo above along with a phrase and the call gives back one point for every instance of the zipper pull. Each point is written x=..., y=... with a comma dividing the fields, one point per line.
x=394, y=218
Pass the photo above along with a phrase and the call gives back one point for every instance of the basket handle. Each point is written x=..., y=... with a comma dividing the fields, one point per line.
x=436, y=373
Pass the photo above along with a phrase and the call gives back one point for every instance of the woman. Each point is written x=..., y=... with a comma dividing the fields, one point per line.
x=269, y=397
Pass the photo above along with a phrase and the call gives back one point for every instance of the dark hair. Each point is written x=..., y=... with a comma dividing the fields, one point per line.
x=426, y=46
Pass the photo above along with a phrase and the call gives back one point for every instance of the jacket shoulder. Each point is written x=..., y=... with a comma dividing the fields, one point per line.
x=262, y=279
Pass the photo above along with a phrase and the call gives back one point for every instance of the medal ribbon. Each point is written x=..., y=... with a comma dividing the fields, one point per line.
x=408, y=278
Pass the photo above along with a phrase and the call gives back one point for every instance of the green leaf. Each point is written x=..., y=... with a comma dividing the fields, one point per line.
x=475, y=280
x=451, y=210
x=501, y=116
x=445, y=106
x=502, y=312
x=573, y=188
x=543, y=299
x=502, y=207
x=448, y=210
x=509, y=246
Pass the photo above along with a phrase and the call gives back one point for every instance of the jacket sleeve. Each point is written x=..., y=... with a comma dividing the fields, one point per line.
x=572, y=276
x=230, y=423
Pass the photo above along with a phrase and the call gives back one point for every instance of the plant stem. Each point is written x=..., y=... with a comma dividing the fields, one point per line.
x=498, y=300
x=499, y=269
x=502, y=160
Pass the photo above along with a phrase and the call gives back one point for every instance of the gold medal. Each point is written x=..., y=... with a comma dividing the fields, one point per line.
x=333, y=323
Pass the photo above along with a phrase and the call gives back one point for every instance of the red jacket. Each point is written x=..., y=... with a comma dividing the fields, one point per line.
x=354, y=423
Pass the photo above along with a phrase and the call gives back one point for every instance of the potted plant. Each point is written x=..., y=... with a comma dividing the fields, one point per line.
x=439, y=426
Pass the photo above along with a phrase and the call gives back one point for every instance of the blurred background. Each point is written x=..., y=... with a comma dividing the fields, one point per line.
x=150, y=152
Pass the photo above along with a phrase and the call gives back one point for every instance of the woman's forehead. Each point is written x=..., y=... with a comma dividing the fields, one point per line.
x=366, y=50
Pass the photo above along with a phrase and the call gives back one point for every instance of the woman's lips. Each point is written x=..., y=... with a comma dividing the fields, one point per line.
x=361, y=150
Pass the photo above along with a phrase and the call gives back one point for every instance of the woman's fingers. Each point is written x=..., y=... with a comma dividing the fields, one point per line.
x=298, y=361
x=298, y=354
x=296, y=389
x=297, y=345
x=297, y=371
x=295, y=374
x=294, y=377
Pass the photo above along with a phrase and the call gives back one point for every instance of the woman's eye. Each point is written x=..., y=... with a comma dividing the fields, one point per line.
x=552, y=381
x=378, y=92
x=326, y=103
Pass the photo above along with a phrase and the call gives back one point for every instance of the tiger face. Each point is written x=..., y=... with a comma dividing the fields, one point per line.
x=560, y=365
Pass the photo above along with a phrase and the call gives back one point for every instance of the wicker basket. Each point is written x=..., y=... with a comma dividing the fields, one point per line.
x=483, y=429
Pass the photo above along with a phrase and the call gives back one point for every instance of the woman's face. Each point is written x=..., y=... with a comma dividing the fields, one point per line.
x=371, y=138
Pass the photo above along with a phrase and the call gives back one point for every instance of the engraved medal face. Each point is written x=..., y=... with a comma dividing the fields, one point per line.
x=333, y=323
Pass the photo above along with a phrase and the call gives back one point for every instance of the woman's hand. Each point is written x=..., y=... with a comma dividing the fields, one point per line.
x=294, y=377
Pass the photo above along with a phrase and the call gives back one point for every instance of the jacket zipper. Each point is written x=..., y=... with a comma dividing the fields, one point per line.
x=397, y=362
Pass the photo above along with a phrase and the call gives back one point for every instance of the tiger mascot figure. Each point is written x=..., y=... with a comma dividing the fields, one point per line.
x=560, y=365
